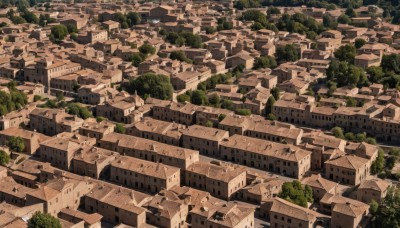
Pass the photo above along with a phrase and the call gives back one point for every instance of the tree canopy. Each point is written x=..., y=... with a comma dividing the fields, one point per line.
x=154, y=85
x=387, y=214
x=59, y=32
x=346, y=53
x=296, y=193
x=265, y=62
x=43, y=220
x=4, y=158
x=16, y=144
x=287, y=53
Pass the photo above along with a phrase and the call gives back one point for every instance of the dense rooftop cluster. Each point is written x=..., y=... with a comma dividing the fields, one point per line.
x=199, y=113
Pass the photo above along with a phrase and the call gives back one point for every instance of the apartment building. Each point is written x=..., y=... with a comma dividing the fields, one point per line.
x=221, y=214
x=320, y=186
x=59, y=193
x=175, y=112
x=15, y=118
x=261, y=190
x=283, y=213
x=31, y=139
x=347, y=169
x=119, y=108
x=345, y=212
x=59, y=150
x=204, y=139
x=143, y=175
x=53, y=121
x=12, y=192
x=150, y=150
x=374, y=189
x=92, y=161
x=287, y=160
x=117, y=204
x=92, y=128
x=157, y=130
x=220, y=179
x=261, y=128
x=163, y=212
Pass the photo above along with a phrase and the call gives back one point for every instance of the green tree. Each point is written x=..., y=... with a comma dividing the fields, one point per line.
x=273, y=10
x=345, y=74
x=269, y=105
x=387, y=214
x=265, y=62
x=43, y=220
x=154, y=85
x=4, y=158
x=72, y=28
x=243, y=111
x=119, y=128
x=346, y=53
x=375, y=74
x=16, y=144
x=337, y=132
x=344, y=19
x=209, y=124
x=133, y=18
x=351, y=102
x=350, y=136
x=350, y=12
x=379, y=164
x=136, y=59
x=183, y=98
x=181, y=56
x=359, y=42
x=391, y=63
x=276, y=93
x=100, y=119
x=287, y=53
x=59, y=32
x=271, y=117
x=256, y=26
x=296, y=193
x=30, y=17
x=37, y=98
x=214, y=100
x=210, y=30
x=199, y=98
x=77, y=109
x=147, y=49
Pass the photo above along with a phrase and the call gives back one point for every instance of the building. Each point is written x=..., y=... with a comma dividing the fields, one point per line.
x=320, y=186
x=117, y=204
x=221, y=214
x=53, y=121
x=92, y=162
x=374, y=189
x=31, y=139
x=283, y=213
x=157, y=130
x=92, y=128
x=59, y=151
x=345, y=212
x=220, y=179
x=143, y=175
x=59, y=193
x=261, y=190
x=348, y=169
x=287, y=160
x=150, y=150
x=163, y=212
x=204, y=139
